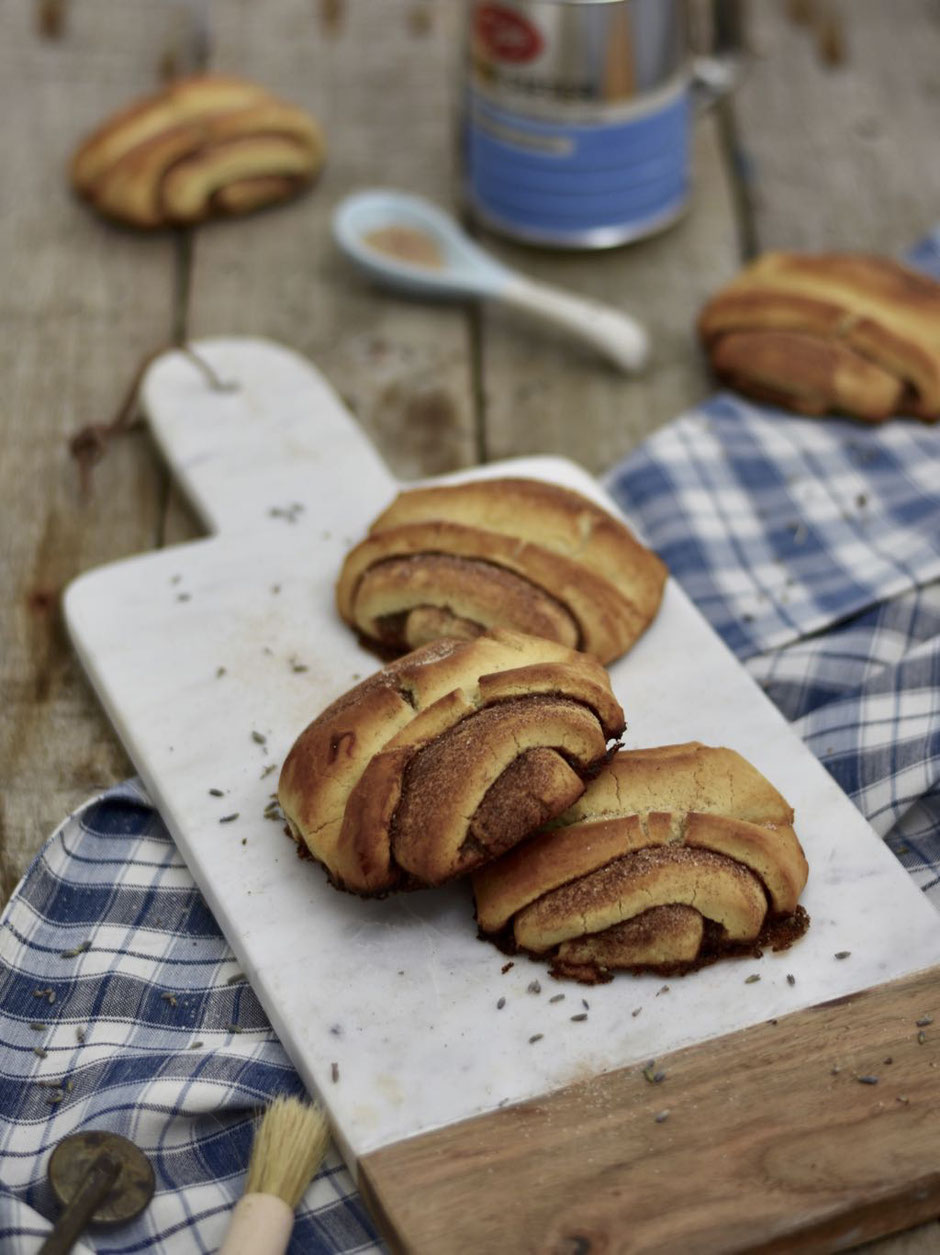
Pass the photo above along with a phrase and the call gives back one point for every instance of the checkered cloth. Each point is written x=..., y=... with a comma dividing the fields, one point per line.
x=812, y=547
x=122, y=1008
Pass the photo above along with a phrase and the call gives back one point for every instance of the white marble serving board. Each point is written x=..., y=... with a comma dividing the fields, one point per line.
x=400, y=994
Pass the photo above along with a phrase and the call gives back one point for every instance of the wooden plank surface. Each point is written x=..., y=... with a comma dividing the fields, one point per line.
x=842, y=155
x=80, y=304
x=383, y=84
x=811, y=1133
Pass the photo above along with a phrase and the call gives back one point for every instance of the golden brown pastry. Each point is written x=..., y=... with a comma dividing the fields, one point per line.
x=457, y=559
x=205, y=146
x=804, y=373
x=671, y=857
x=446, y=758
x=839, y=331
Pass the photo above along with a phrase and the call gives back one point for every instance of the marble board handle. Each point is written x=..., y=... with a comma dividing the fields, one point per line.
x=247, y=427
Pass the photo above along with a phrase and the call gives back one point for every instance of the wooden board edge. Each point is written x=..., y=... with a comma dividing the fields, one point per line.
x=813, y=1132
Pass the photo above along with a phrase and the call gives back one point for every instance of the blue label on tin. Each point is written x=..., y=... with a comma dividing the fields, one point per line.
x=565, y=182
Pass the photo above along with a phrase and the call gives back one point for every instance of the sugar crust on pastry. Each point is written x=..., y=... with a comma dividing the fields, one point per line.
x=671, y=857
x=446, y=758
x=204, y=146
x=834, y=331
x=531, y=556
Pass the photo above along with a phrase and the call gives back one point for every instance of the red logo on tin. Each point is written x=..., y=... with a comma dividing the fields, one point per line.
x=507, y=35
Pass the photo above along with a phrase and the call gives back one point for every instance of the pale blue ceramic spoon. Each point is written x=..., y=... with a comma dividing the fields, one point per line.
x=465, y=270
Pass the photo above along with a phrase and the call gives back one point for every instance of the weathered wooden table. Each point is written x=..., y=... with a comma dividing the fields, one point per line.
x=830, y=141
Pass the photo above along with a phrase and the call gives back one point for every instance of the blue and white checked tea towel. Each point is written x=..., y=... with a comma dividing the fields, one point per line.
x=813, y=548
x=122, y=1007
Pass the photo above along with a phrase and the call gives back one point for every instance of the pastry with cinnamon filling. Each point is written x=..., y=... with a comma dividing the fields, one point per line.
x=457, y=559
x=446, y=758
x=205, y=146
x=835, y=332
x=671, y=858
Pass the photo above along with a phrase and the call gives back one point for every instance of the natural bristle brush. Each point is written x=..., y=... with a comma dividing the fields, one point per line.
x=289, y=1145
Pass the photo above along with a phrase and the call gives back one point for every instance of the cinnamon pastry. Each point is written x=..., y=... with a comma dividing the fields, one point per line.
x=670, y=858
x=204, y=146
x=457, y=559
x=838, y=331
x=447, y=758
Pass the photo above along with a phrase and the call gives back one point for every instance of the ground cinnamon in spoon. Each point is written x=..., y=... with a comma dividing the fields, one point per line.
x=406, y=244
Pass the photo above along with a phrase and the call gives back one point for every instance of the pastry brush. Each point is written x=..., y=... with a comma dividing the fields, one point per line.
x=288, y=1148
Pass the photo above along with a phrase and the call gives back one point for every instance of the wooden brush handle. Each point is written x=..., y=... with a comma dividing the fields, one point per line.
x=261, y=1225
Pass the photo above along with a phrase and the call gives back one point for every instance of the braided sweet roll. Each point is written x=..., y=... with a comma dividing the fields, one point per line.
x=205, y=146
x=671, y=858
x=446, y=758
x=835, y=331
x=455, y=560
